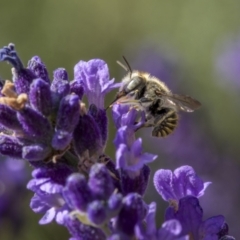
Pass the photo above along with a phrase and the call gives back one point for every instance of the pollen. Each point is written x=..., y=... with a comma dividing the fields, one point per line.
x=11, y=98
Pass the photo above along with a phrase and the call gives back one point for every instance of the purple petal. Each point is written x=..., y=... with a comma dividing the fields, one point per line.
x=189, y=214
x=11, y=146
x=149, y=230
x=61, y=140
x=100, y=181
x=60, y=74
x=8, y=118
x=132, y=212
x=81, y=231
x=117, y=112
x=48, y=217
x=76, y=192
x=77, y=88
x=97, y=212
x=38, y=67
x=163, y=183
x=183, y=182
x=87, y=136
x=34, y=124
x=135, y=182
x=100, y=118
x=68, y=113
x=35, y=152
x=115, y=202
x=213, y=227
x=186, y=182
x=40, y=96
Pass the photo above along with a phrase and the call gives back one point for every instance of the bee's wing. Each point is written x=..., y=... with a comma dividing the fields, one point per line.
x=181, y=102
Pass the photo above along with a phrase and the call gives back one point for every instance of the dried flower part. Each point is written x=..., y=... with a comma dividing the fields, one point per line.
x=39, y=68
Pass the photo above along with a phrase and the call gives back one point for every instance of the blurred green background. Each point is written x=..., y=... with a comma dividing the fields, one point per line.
x=64, y=32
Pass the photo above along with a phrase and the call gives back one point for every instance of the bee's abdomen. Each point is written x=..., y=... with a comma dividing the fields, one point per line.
x=166, y=127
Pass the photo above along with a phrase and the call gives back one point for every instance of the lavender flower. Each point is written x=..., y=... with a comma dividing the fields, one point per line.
x=182, y=189
x=129, y=156
x=178, y=184
x=74, y=182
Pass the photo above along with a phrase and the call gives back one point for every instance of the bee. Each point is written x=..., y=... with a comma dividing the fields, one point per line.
x=149, y=94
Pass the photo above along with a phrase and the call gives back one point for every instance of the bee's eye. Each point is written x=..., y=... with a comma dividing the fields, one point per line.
x=134, y=84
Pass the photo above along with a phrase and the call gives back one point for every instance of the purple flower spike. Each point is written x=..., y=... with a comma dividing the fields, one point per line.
x=68, y=113
x=180, y=183
x=87, y=136
x=38, y=67
x=80, y=231
x=11, y=146
x=76, y=192
x=100, y=181
x=132, y=212
x=35, y=152
x=97, y=213
x=100, y=118
x=34, y=124
x=77, y=88
x=40, y=96
x=95, y=77
x=8, y=118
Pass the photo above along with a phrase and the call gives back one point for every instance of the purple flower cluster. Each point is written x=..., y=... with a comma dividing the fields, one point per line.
x=74, y=182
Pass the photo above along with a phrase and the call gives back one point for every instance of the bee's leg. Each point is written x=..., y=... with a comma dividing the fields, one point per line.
x=148, y=121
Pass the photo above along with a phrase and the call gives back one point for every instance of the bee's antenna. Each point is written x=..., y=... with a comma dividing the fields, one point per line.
x=128, y=65
x=126, y=68
x=123, y=66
